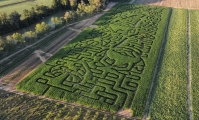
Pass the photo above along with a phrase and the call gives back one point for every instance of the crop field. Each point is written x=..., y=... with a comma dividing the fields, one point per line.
x=109, y=67
x=21, y=6
x=13, y=106
x=170, y=96
x=194, y=61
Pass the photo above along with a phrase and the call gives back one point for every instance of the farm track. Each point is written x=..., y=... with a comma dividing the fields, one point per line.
x=189, y=68
x=146, y=111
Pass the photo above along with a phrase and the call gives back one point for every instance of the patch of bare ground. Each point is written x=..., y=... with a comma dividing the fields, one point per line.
x=188, y=4
x=127, y=112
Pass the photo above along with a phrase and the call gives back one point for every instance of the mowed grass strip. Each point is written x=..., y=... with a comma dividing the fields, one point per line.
x=109, y=67
x=194, y=21
x=170, y=93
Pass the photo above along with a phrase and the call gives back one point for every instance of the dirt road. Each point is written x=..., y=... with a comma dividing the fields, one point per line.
x=40, y=56
x=189, y=4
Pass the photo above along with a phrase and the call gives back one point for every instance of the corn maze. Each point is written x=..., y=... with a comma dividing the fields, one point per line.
x=109, y=67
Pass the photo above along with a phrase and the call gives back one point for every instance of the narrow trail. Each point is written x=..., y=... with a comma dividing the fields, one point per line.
x=189, y=67
x=146, y=110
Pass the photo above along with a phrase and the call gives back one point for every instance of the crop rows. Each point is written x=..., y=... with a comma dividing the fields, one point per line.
x=13, y=106
x=194, y=16
x=170, y=91
x=109, y=67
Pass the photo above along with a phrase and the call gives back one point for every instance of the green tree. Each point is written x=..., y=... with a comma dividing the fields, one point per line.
x=19, y=38
x=90, y=9
x=26, y=14
x=67, y=16
x=42, y=28
x=10, y=43
x=4, y=18
x=4, y=25
x=2, y=44
x=81, y=6
x=42, y=10
x=14, y=19
x=56, y=21
x=65, y=4
x=73, y=4
x=30, y=35
x=56, y=4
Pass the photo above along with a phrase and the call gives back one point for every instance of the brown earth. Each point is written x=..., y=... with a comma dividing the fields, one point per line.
x=188, y=4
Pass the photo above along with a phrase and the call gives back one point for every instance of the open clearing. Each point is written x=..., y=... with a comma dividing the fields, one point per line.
x=193, y=4
x=109, y=67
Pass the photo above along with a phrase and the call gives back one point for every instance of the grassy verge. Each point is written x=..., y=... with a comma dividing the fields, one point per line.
x=194, y=17
x=109, y=67
x=170, y=93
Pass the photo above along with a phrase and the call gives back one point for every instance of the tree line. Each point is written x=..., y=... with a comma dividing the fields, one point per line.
x=80, y=10
x=13, y=21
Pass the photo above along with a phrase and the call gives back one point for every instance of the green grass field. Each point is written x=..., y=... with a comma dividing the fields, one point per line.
x=20, y=7
x=6, y=2
x=170, y=97
x=109, y=67
x=194, y=17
